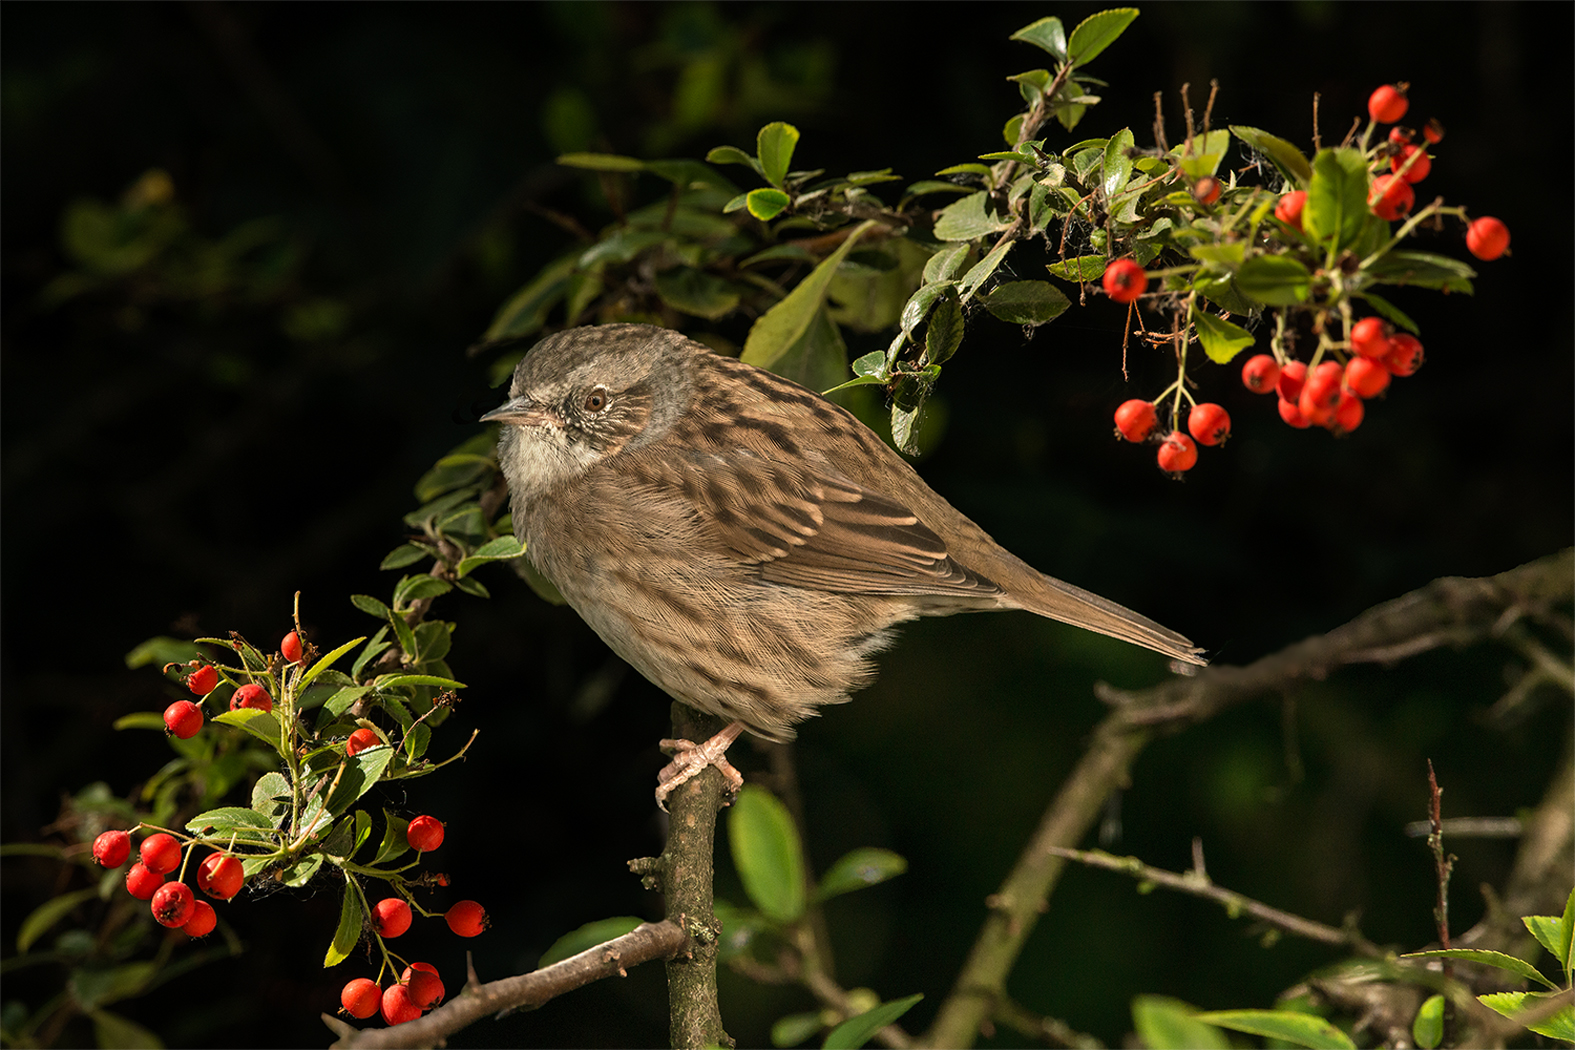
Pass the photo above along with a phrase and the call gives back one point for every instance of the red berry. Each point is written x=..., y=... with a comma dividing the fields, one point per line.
x=1433, y=130
x=1135, y=420
x=220, y=876
x=468, y=919
x=1347, y=414
x=1391, y=197
x=361, y=998
x=290, y=648
x=1388, y=104
x=423, y=985
x=1419, y=167
x=391, y=917
x=1487, y=238
x=141, y=883
x=203, y=920
x=183, y=719
x=1289, y=210
x=1321, y=393
x=251, y=696
x=202, y=680
x=1370, y=338
x=1406, y=357
x=173, y=904
x=160, y=853
x=424, y=834
x=1400, y=136
x=112, y=848
x=360, y=740
x=1209, y=423
x=1260, y=374
x=397, y=1007
x=1176, y=455
x=1207, y=190
x=1365, y=378
x=1293, y=415
x=1124, y=280
x=1292, y=375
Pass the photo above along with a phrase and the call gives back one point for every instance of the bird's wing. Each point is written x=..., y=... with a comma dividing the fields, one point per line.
x=809, y=527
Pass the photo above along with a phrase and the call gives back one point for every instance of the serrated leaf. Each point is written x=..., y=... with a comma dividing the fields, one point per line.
x=360, y=775
x=588, y=936
x=967, y=219
x=1336, y=207
x=945, y=264
x=1117, y=165
x=1298, y=1028
x=1423, y=270
x=983, y=269
x=403, y=555
x=766, y=204
x=502, y=548
x=1292, y=164
x=414, y=588
x=1163, y=1023
x=775, y=145
x=1082, y=269
x=370, y=605
x=301, y=872
x=394, y=840
x=859, y=868
x=1026, y=302
x=394, y=681
x=944, y=333
x=1548, y=930
x=42, y=918
x=260, y=724
x=226, y=819
x=352, y=917
x=1221, y=340
x=856, y=1031
x=601, y=162
x=767, y=853
x=1097, y=32
x=782, y=326
x=1276, y=280
x=1518, y=967
x=1427, y=1028
x=1047, y=34
x=1512, y=1004
x=969, y=168
x=266, y=793
x=1567, y=935
x=328, y=661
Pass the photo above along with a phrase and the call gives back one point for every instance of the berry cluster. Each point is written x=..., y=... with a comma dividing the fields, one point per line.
x=1207, y=423
x=419, y=987
x=220, y=876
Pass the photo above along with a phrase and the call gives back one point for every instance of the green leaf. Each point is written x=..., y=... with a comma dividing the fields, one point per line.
x=361, y=773
x=270, y=787
x=944, y=334
x=1428, y=1026
x=1163, y=1023
x=917, y=308
x=1422, y=270
x=164, y=650
x=1288, y=1025
x=1081, y=269
x=1512, y=1004
x=92, y=988
x=301, y=872
x=588, y=936
x=1518, y=967
x=113, y=1032
x=1567, y=936
x=1277, y=280
x=1220, y=256
x=414, y=588
x=1336, y=206
x=856, y=1031
x=370, y=605
x=601, y=162
x=401, y=556
x=908, y=399
x=1549, y=930
x=1221, y=340
x=781, y=326
x=983, y=269
x=1292, y=164
x=260, y=724
x=859, y=868
x=767, y=853
x=766, y=204
x=693, y=292
x=793, y=1029
x=969, y=168
x=946, y=264
x=687, y=174
x=1047, y=34
x=352, y=917
x=1205, y=155
x=394, y=681
x=140, y=720
x=732, y=155
x=1391, y=313
x=226, y=819
x=1026, y=302
x=1117, y=165
x=774, y=145
x=500, y=549
x=924, y=186
x=394, y=841
x=327, y=661
x=47, y=914
x=966, y=219
x=527, y=309
x=1097, y=32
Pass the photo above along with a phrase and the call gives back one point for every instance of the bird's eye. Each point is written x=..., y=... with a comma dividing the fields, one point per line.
x=596, y=400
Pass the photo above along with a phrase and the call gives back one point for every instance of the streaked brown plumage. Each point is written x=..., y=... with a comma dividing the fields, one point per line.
x=742, y=542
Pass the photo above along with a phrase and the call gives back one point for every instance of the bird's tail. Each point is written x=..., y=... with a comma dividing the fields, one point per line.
x=1080, y=608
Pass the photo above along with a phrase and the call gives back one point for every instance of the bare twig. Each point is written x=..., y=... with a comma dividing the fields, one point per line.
x=1443, y=864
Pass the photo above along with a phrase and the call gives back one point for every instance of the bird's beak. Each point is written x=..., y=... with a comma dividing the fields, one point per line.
x=522, y=411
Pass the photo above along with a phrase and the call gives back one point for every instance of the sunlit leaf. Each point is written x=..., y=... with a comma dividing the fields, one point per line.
x=767, y=853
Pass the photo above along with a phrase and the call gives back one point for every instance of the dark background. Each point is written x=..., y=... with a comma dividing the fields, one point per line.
x=180, y=465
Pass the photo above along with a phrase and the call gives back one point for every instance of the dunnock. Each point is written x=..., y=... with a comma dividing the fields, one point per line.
x=741, y=541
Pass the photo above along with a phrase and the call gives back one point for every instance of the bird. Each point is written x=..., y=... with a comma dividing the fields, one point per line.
x=743, y=542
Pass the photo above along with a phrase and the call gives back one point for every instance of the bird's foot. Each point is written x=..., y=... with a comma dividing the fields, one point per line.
x=689, y=758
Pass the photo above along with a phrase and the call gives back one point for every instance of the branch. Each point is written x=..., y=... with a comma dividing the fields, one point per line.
x=648, y=941
x=1452, y=610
